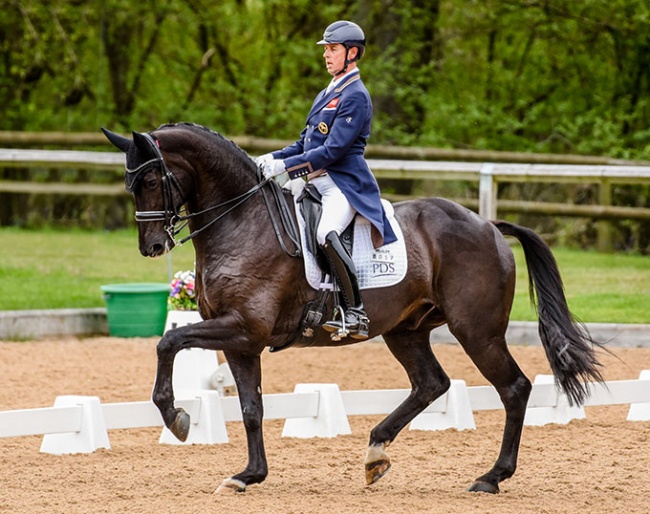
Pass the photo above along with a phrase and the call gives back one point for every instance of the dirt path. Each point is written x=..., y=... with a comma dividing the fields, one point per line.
x=597, y=465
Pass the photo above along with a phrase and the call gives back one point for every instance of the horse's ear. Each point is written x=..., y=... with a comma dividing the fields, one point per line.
x=120, y=142
x=141, y=142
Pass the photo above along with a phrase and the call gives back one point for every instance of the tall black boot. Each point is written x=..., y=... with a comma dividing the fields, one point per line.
x=355, y=319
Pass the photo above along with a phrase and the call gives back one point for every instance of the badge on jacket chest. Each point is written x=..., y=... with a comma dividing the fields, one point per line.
x=323, y=128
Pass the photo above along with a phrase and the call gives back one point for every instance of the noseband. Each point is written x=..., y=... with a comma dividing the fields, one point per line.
x=175, y=222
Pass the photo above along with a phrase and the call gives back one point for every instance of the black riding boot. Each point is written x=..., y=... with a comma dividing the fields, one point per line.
x=355, y=319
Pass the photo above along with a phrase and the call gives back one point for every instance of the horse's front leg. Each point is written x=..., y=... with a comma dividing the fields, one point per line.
x=243, y=356
x=176, y=420
x=246, y=370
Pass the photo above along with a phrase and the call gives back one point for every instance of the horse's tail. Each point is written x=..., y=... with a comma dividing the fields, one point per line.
x=569, y=347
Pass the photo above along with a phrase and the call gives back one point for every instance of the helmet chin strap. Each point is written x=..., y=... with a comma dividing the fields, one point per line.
x=347, y=62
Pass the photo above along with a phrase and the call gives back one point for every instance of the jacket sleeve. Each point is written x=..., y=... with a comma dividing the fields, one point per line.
x=349, y=120
x=295, y=149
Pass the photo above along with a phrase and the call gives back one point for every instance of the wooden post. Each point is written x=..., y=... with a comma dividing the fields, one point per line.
x=604, y=227
x=487, y=191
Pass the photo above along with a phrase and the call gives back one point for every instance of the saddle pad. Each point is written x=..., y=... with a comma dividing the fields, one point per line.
x=381, y=267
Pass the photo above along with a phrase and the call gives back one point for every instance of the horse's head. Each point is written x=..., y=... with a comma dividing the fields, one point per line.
x=155, y=189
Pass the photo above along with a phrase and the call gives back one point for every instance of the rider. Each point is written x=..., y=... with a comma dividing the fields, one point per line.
x=329, y=154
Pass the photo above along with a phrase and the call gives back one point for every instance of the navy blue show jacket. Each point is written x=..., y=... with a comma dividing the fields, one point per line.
x=334, y=139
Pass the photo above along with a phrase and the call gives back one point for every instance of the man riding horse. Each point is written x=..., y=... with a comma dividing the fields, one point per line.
x=330, y=155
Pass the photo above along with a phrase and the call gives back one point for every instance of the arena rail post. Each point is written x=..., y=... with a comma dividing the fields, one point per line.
x=548, y=405
x=90, y=436
x=208, y=427
x=331, y=419
x=640, y=411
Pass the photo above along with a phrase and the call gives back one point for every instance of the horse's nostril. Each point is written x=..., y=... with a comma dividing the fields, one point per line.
x=156, y=249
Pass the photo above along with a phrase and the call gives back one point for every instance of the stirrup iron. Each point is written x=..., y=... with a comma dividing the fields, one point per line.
x=338, y=329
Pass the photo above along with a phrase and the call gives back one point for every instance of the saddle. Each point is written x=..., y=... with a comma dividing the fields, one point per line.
x=376, y=268
x=311, y=208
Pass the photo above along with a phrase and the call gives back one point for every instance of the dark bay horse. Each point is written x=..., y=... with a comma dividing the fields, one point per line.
x=251, y=293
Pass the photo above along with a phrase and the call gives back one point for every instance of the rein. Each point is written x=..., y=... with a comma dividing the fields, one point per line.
x=172, y=217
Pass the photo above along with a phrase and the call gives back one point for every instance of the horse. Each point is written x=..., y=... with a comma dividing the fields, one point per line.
x=251, y=290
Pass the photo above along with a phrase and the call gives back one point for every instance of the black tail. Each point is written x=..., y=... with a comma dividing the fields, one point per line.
x=569, y=347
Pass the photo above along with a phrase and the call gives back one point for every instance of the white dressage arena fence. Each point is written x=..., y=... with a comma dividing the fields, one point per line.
x=80, y=424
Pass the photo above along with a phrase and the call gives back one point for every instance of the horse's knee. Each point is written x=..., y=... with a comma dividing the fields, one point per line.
x=162, y=392
x=443, y=386
x=252, y=413
x=166, y=347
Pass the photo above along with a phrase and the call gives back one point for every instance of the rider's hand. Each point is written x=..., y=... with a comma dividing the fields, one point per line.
x=272, y=168
x=263, y=158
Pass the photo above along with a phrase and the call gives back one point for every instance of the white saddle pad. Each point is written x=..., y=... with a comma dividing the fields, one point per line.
x=381, y=267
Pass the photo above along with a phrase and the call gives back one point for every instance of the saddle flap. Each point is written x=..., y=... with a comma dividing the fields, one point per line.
x=311, y=208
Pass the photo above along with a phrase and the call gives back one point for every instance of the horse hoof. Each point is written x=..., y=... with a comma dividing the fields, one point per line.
x=377, y=463
x=483, y=487
x=231, y=485
x=375, y=471
x=181, y=425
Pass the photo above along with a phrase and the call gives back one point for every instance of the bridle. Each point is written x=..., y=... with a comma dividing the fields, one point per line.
x=169, y=214
x=174, y=221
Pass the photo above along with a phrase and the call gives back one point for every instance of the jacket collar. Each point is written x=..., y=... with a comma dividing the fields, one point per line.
x=324, y=97
x=353, y=76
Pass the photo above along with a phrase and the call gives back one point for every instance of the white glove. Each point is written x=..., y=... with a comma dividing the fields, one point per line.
x=272, y=168
x=263, y=158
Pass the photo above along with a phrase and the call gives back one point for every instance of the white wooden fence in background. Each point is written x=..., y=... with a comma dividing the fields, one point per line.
x=487, y=174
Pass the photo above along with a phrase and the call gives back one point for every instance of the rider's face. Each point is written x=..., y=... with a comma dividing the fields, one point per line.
x=335, y=58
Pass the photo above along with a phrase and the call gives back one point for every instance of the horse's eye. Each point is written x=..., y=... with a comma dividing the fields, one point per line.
x=151, y=182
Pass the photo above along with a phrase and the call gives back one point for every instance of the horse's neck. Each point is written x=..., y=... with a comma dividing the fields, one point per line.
x=244, y=233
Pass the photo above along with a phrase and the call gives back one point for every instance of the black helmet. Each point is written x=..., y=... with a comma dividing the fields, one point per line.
x=345, y=33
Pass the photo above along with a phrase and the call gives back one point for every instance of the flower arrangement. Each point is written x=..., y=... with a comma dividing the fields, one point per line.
x=181, y=296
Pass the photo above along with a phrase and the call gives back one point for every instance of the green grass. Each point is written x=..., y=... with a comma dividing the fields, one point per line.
x=54, y=269
x=600, y=288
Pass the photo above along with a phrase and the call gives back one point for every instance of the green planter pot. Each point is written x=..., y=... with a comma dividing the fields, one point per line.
x=136, y=310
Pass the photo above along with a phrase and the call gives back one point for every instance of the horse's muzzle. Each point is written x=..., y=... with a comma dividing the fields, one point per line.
x=155, y=248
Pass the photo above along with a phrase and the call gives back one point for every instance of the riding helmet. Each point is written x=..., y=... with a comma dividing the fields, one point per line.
x=346, y=33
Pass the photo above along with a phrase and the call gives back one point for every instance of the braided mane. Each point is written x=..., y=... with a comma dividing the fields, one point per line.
x=201, y=128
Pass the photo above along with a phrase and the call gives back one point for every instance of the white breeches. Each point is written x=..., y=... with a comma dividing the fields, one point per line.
x=337, y=211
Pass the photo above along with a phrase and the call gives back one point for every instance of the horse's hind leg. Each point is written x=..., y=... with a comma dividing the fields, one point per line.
x=494, y=361
x=428, y=382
